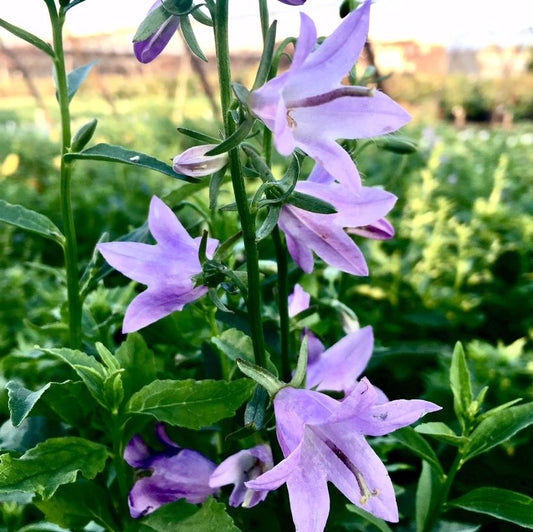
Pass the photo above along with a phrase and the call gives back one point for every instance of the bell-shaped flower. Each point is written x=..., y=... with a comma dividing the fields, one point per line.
x=308, y=107
x=323, y=440
x=293, y=2
x=195, y=163
x=176, y=473
x=148, y=49
x=307, y=232
x=167, y=268
x=238, y=469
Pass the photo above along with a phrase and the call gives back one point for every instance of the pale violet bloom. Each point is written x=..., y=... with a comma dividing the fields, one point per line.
x=147, y=50
x=167, y=268
x=176, y=473
x=298, y=301
x=323, y=440
x=238, y=469
x=195, y=163
x=324, y=234
x=309, y=108
x=293, y=2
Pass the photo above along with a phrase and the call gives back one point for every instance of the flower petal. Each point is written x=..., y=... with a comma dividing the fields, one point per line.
x=137, y=453
x=147, y=50
x=298, y=301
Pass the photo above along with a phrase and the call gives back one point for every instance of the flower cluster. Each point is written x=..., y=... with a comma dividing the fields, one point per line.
x=323, y=439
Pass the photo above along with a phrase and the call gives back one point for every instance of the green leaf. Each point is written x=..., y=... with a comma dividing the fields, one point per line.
x=132, y=355
x=310, y=203
x=118, y=154
x=50, y=464
x=28, y=37
x=70, y=401
x=29, y=220
x=461, y=386
x=151, y=24
x=266, y=57
x=77, y=77
x=184, y=517
x=498, y=408
x=22, y=401
x=255, y=412
x=419, y=446
x=498, y=428
x=269, y=223
x=234, y=140
x=504, y=504
x=82, y=137
x=190, y=38
x=441, y=432
x=427, y=495
x=198, y=135
x=397, y=144
x=378, y=523
x=73, y=506
x=201, y=17
x=72, y=4
x=234, y=344
x=188, y=403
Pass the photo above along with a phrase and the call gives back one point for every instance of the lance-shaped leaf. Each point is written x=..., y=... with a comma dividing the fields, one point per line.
x=234, y=140
x=376, y=521
x=504, y=504
x=498, y=428
x=77, y=77
x=29, y=220
x=198, y=135
x=441, y=432
x=266, y=57
x=311, y=203
x=461, y=386
x=427, y=495
x=28, y=37
x=118, y=154
x=190, y=38
x=188, y=403
x=50, y=464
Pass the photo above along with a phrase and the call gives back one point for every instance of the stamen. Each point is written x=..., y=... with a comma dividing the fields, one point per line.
x=341, y=92
x=290, y=120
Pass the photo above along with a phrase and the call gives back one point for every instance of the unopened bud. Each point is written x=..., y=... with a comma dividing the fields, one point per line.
x=83, y=135
x=397, y=144
x=194, y=163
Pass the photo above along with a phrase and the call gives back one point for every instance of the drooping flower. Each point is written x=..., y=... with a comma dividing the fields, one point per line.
x=148, y=49
x=323, y=440
x=307, y=232
x=194, y=163
x=166, y=268
x=308, y=107
x=177, y=473
x=238, y=469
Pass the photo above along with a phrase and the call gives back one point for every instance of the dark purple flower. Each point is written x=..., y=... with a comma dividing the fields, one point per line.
x=293, y=2
x=307, y=232
x=323, y=440
x=147, y=50
x=166, y=268
x=309, y=108
x=177, y=473
x=238, y=469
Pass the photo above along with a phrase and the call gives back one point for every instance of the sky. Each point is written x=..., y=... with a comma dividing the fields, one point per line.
x=453, y=23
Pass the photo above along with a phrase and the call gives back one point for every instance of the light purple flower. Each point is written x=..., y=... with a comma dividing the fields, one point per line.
x=193, y=162
x=298, y=301
x=293, y=2
x=324, y=234
x=238, y=469
x=323, y=440
x=177, y=473
x=147, y=50
x=308, y=107
x=166, y=268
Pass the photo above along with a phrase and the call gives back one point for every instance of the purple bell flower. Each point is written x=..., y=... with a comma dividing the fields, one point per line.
x=167, y=268
x=177, y=473
x=309, y=108
x=147, y=50
x=323, y=440
x=293, y=2
x=238, y=469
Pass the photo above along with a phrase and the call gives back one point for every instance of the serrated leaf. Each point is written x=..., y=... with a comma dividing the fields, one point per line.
x=21, y=400
x=29, y=220
x=441, y=432
x=73, y=506
x=234, y=344
x=419, y=446
x=190, y=38
x=233, y=140
x=378, y=523
x=180, y=515
x=118, y=154
x=50, y=464
x=28, y=37
x=498, y=428
x=461, y=386
x=504, y=504
x=427, y=495
x=188, y=403
x=77, y=77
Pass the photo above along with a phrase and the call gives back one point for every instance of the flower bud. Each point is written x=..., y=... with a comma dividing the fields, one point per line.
x=194, y=163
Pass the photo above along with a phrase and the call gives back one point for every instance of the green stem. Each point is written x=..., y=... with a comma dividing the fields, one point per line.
x=71, y=247
x=263, y=13
x=239, y=189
